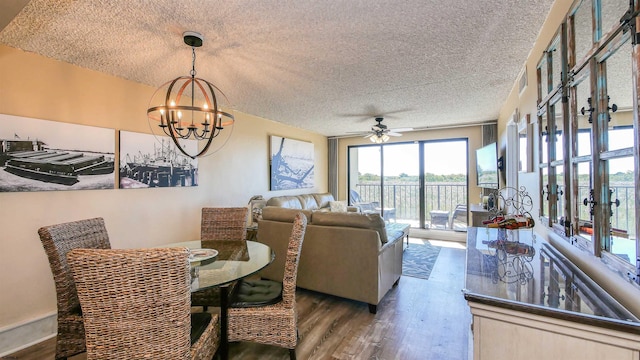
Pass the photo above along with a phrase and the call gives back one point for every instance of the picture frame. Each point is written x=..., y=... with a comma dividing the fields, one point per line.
x=291, y=164
x=150, y=161
x=45, y=155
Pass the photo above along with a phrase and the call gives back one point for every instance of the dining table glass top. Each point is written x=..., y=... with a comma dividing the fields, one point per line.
x=235, y=260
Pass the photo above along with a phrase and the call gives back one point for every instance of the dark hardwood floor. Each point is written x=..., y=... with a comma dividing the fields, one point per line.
x=418, y=319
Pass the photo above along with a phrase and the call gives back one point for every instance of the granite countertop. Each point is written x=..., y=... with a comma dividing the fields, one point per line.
x=515, y=269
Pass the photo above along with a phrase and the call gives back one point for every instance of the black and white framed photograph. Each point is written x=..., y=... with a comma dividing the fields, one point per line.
x=42, y=155
x=148, y=160
x=292, y=164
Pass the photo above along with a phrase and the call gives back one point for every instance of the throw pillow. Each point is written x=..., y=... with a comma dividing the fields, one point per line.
x=338, y=206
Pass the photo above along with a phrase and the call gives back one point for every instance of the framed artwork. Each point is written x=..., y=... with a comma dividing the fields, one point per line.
x=292, y=163
x=42, y=155
x=148, y=160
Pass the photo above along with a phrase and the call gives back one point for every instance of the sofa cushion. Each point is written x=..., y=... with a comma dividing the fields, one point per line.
x=308, y=202
x=350, y=219
x=291, y=202
x=276, y=213
x=323, y=199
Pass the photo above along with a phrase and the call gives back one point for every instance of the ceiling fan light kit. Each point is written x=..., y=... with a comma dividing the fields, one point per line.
x=379, y=132
x=379, y=139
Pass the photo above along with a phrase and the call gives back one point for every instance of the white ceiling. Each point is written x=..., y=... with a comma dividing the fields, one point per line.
x=327, y=66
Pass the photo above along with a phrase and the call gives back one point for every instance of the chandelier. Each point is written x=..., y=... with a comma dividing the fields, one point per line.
x=188, y=108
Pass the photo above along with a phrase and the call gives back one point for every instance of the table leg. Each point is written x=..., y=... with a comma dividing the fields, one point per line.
x=224, y=322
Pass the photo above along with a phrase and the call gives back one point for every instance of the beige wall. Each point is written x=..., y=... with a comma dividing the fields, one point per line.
x=472, y=133
x=37, y=87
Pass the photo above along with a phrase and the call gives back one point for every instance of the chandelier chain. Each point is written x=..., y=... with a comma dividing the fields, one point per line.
x=193, y=62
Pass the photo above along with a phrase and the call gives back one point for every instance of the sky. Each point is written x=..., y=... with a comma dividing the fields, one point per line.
x=618, y=139
x=442, y=158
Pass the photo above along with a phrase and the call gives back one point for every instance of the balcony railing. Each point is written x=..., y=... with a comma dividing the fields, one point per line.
x=405, y=198
x=623, y=215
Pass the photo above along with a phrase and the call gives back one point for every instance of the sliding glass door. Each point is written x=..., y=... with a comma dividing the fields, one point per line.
x=400, y=182
x=365, y=170
x=420, y=183
x=445, y=184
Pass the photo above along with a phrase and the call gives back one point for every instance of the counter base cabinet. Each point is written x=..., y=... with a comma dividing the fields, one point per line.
x=504, y=334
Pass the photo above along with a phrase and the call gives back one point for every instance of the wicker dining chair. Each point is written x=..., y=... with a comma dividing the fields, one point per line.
x=270, y=320
x=220, y=223
x=136, y=304
x=57, y=241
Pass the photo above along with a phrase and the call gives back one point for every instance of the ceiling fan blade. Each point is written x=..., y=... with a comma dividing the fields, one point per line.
x=392, y=114
x=356, y=117
x=401, y=129
x=372, y=111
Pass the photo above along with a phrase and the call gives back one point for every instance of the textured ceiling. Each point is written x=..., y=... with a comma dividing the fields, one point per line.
x=326, y=66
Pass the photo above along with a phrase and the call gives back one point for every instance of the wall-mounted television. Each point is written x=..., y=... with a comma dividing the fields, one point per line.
x=487, y=166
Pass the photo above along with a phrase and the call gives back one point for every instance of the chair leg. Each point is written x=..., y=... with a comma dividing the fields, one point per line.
x=204, y=308
x=292, y=354
x=373, y=308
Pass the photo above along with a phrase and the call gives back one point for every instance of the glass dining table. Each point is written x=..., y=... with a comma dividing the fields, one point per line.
x=235, y=259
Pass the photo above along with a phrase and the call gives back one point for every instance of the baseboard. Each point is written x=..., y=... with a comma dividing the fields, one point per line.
x=446, y=235
x=19, y=336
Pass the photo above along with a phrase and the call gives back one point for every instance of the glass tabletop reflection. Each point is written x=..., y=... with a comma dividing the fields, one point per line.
x=235, y=260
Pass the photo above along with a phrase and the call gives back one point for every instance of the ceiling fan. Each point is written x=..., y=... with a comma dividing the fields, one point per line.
x=380, y=133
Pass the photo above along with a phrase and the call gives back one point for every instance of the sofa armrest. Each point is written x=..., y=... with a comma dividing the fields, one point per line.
x=391, y=243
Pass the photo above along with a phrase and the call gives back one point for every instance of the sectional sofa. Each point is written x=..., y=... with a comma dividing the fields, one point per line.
x=345, y=253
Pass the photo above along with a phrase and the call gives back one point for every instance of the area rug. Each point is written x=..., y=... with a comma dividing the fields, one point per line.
x=418, y=260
